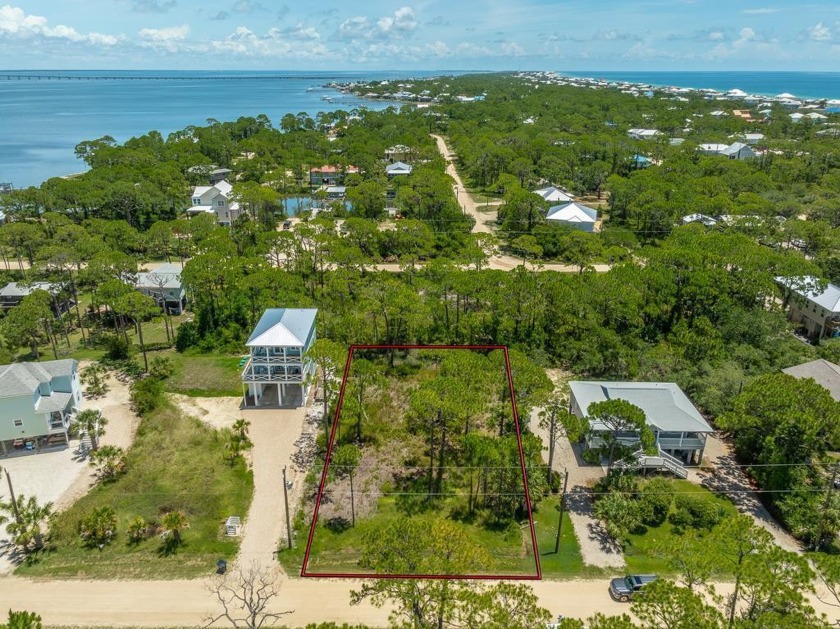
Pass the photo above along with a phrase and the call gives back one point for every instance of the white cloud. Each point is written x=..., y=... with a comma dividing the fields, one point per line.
x=819, y=32
x=152, y=6
x=747, y=34
x=513, y=49
x=439, y=49
x=717, y=36
x=403, y=21
x=15, y=23
x=248, y=7
x=762, y=11
x=167, y=34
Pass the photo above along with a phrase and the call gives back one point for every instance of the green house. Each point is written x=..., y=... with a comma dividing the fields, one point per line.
x=37, y=404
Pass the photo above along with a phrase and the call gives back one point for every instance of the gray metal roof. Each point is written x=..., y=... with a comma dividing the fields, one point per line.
x=20, y=379
x=283, y=326
x=14, y=289
x=665, y=405
x=825, y=373
x=165, y=276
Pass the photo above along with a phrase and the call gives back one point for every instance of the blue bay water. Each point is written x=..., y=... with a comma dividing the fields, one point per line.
x=800, y=84
x=41, y=121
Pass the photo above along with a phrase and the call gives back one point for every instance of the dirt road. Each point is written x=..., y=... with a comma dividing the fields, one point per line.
x=484, y=221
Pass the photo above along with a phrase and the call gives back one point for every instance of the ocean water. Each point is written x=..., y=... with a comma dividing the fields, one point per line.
x=800, y=84
x=42, y=119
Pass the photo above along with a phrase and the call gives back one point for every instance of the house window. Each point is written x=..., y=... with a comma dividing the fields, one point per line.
x=196, y=201
x=18, y=423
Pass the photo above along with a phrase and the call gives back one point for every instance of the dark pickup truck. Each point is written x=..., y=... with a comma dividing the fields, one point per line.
x=624, y=588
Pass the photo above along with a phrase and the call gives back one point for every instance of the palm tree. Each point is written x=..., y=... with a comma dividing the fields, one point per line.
x=99, y=526
x=28, y=529
x=92, y=423
x=172, y=523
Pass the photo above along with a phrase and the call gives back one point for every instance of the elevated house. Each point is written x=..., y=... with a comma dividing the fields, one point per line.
x=574, y=215
x=165, y=287
x=330, y=175
x=13, y=293
x=37, y=404
x=678, y=426
x=277, y=370
x=815, y=307
x=397, y=169
x=216, y=200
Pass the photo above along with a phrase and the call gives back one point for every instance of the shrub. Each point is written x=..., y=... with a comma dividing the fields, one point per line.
x=109, y=462
x=620, y=515
x=592, y=456
x=187, y=336
x=98, y=527
x=655, y=500
x=138, y=530
x=118, y=348
x=700, y=513
x=146, y=395
x=617, y=481
x=161, y=367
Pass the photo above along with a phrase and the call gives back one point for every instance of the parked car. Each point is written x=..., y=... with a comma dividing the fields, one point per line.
x=624, y=588
x=287, y=224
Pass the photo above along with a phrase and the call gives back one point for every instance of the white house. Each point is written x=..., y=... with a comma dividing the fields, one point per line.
x=217, y=200
x=753, y=138
x=574, y=215
x=816, y=308
x=277, y=371
x=678, y=426
x=165, y=287
x=644, y=134
x=554, y=195
x=796, y=116
x=708, y=221
x=398, y=168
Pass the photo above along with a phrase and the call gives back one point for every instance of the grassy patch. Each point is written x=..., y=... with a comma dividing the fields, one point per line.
x=568, y=561
x=176, y=463
x=642, y=553
x=205, y=376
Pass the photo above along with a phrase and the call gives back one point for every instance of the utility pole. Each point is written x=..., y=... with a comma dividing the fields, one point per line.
x=12, y=494
x=562, y=510
x=286, y=501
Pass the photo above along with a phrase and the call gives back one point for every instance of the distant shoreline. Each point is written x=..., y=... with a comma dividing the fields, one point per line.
x=763, y=83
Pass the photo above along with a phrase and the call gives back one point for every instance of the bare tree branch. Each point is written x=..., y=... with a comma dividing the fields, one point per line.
x=244, y=595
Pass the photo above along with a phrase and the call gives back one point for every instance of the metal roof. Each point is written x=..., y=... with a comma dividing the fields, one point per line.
x=806, y=287
x=665, y=405
x=572, y=213
x=55, y=401
x=165, y=276
x=554, y=195
x=283, y=327
x=826, y=374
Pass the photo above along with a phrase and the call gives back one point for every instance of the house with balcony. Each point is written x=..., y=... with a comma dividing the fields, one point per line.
x=330, y=175
x=277, y=372
x=165, y=287
x=37, y=404
x=13, y=293
x=813, y=304
x=216, y=200
x=678, y=426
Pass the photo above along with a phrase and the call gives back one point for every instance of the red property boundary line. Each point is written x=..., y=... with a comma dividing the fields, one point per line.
x=364, y=575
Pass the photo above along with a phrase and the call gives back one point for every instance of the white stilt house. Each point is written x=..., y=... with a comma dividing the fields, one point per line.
x=276, y=371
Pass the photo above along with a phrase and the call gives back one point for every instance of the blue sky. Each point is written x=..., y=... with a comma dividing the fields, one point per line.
x=428, y=34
